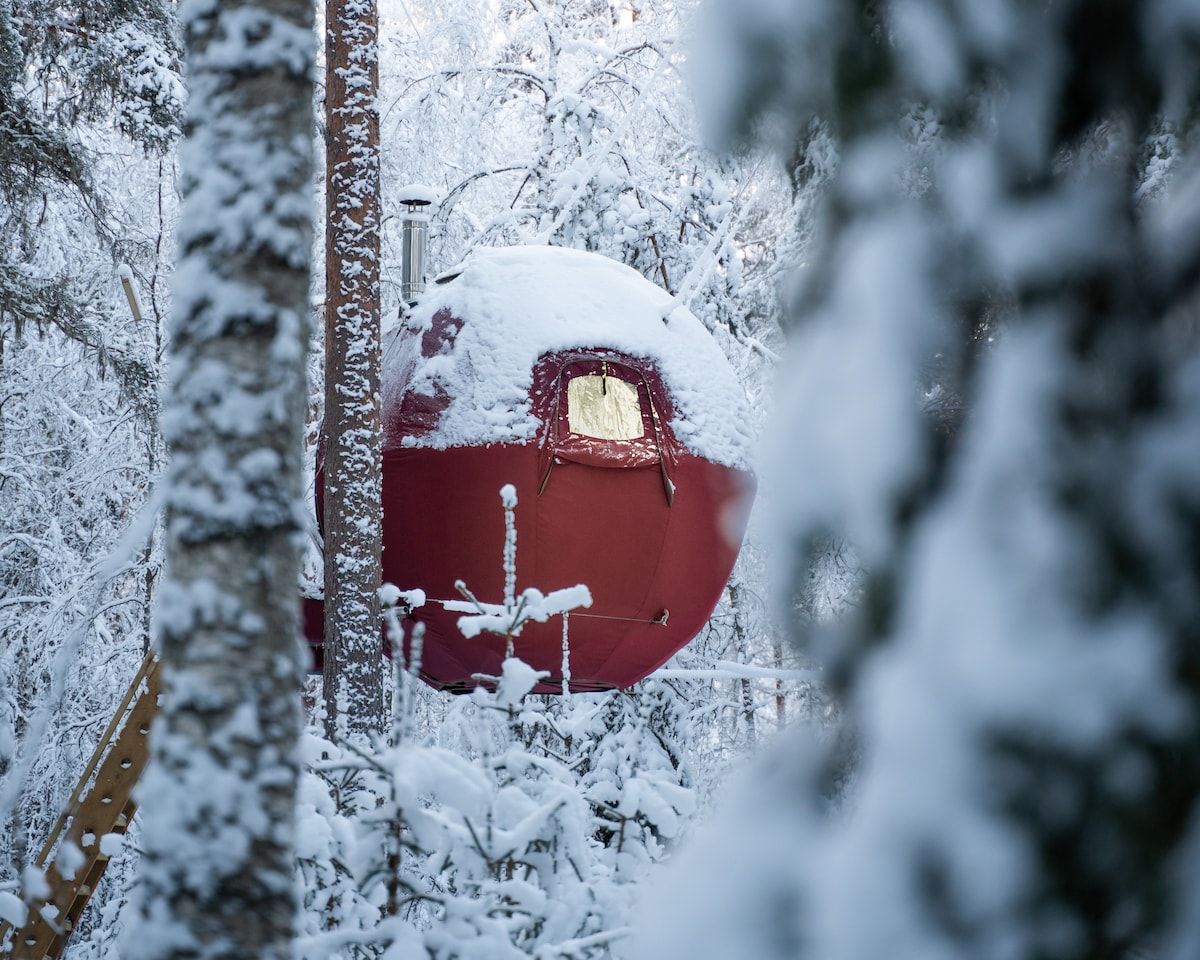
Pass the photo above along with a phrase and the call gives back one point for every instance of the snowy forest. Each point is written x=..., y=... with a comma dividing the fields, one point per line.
x=947, y=705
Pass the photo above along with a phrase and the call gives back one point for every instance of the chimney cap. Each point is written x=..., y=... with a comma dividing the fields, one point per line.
x=418, y=195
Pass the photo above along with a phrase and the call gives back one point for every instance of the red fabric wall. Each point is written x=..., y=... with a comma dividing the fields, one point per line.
x=645, y=524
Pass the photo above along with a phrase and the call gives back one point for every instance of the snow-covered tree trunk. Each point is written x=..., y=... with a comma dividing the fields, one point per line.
x=218, y=799
x=354, y=702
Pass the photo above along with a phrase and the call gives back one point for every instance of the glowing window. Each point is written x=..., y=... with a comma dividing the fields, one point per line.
x=604, y=407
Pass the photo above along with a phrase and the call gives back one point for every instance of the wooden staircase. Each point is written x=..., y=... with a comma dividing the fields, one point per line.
x=100, y=806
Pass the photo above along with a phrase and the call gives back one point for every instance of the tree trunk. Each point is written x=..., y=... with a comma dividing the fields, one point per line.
x=739, y=632
x=219, y=796
x=354, y=702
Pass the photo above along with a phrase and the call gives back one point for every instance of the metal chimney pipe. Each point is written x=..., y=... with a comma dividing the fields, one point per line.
x=414, y=229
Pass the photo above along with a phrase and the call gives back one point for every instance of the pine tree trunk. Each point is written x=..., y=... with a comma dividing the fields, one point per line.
x=353, y=439
x=218, y=799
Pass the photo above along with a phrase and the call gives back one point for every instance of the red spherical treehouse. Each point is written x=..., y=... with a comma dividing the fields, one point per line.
x=621, y=426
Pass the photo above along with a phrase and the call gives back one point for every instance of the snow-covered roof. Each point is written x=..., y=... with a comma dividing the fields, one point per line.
x=518, y=303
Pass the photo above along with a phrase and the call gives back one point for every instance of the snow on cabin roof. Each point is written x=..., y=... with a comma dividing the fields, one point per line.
x=518, y=303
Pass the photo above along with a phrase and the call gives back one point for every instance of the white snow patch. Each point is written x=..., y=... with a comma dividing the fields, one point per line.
x=521, y=302
x=418, y=193
x=516, y=680
x=391, y=595
x=12, y=910
x=112, y=843
x=532, y=604
x=70, y=859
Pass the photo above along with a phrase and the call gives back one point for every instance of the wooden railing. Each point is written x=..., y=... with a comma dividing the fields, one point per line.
x=100, y=806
